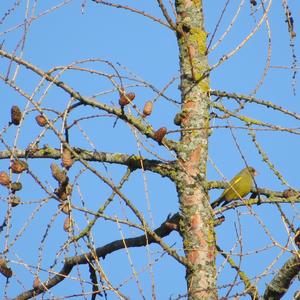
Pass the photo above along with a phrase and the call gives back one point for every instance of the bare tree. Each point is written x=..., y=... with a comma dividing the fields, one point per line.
x=83, y=169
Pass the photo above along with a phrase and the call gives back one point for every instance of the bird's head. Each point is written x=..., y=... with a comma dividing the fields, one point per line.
x=252, y=171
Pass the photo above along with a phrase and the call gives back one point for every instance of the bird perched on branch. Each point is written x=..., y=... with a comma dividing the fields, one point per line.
x=239, y=186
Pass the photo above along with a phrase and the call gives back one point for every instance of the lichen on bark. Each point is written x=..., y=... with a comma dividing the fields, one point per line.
x=197, y=226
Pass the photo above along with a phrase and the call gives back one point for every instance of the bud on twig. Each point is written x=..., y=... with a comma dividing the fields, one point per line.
x=177, y=119
x=14, y=201
x=289, y=193
x=36, y=283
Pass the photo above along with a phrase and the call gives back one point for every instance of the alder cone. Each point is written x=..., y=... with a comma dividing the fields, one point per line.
x=67, y=160
x=19, y=166
x=65, y=208
x=16, y=115
x=147, y=111
x=160, y=133
x=41, y=120
x=68, y=224
x=126, y=98
x=4, y=178
x=58, y=174
x=63, y=191
x=36, y=283
x=4, y=269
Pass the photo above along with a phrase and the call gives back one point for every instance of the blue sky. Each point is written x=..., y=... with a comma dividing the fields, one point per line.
x=148, y=50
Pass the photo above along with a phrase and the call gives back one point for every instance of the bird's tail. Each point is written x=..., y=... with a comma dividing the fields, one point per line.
x=218, y=202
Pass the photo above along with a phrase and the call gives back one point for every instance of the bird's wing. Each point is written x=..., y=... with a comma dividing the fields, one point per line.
x=233, y=189
x=230, y=189
x=235, y=180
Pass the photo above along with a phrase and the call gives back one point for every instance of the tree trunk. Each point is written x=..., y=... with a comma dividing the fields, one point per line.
x=197, y=226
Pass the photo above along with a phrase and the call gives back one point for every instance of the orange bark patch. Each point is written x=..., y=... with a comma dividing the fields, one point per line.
x=188, y=3
x=192, y=51
x=190, y=200
x=192, y=165
x=211, y=253
x=195, y=154
x=195, y=221
x=193, y=256
x=189, y=104
x=200, y=238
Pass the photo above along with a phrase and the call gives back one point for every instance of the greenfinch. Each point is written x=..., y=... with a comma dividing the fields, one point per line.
x=239, y=186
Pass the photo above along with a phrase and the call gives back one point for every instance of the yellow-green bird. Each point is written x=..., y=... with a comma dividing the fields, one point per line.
x=239, y=187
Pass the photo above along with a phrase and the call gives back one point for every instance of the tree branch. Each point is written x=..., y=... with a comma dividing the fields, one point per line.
x=263, y=191
x=283, y=279
x=166, y=15
x=165, y=229
x=251, y=202
x=252, y=121
x=134, y=10
x=147, y=130
x=251, y=99
x=272, y=197
x=251, y=290
x=132, y=161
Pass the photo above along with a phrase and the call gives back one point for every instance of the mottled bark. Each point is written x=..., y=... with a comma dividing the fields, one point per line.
x=197, y=226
